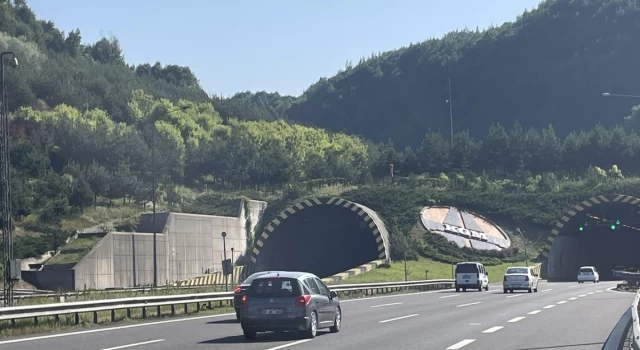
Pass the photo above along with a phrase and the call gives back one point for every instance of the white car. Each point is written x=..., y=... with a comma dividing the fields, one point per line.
x=588, y=274
x=471, y=275
x=520, y=278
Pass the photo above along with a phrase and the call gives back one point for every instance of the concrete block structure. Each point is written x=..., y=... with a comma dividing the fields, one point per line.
x=188, y=245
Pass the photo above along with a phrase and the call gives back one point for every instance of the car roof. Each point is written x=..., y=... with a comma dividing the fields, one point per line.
x=469, y=263
x=286, y=274
x=587, y=267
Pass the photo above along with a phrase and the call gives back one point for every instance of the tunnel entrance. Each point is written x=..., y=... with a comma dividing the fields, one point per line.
x=603, y=231
x=323, y=236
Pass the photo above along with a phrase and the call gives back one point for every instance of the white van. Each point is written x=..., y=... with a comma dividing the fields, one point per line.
x=471, y=275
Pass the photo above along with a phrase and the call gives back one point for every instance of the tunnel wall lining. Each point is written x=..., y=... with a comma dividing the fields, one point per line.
x=368, y=216
x=591, y=202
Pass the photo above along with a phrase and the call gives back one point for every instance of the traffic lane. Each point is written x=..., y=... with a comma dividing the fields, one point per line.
x=227, y=331
x=584, y=323
x=442, y=327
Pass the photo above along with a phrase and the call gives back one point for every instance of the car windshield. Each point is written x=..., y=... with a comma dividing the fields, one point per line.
x=467, y=268
x=521, y=270
x=274, y=288
x=253, y=277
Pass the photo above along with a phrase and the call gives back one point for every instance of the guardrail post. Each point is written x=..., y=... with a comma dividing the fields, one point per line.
x=76, y=318
x=57, y=318
x=128, y=313
x=95, y=317
x=210, y=305
x=158, y=311
x=173, y=310
x=197, y=307
x=144, y=312
x=186, y=309
x=113, y=315
x=35, y=320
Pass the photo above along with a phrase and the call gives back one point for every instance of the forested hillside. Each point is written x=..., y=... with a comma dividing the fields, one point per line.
x=550, y=66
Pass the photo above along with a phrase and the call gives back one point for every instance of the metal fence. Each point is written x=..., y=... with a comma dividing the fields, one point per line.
x=35, y=312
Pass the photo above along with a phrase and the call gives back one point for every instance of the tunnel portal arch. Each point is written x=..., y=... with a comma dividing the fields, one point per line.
x=324, y=235
x=570, y=245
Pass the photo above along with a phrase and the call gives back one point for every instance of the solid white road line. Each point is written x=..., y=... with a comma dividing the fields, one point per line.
x=561, y=302
x=399, y=318
x=469, y=304
x=549, y=306
x=534, y=312
x=513, y=320
x=449, y=296
x=290, y=344
x=383, y=305
x=461, y=344
x=111, y=329
x=492, y=329
x=134, y=344
x=546, y=290
x=515, y=296
x=573, y=298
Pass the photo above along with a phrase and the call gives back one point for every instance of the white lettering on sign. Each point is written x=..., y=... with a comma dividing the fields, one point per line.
x=464, y=232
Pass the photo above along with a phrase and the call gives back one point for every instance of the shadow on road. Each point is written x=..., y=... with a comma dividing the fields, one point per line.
x=561, y=346
x=227, y=321
x=262, y=338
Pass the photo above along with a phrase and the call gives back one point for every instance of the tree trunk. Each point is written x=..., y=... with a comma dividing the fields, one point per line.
x=95, y=200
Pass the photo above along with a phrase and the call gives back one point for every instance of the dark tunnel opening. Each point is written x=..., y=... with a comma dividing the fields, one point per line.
x=323, y=240
x=605, y=237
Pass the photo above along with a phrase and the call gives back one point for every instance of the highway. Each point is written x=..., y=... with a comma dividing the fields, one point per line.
x=560, y=316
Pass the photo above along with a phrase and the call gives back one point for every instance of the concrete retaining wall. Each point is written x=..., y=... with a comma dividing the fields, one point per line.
x=188, y=246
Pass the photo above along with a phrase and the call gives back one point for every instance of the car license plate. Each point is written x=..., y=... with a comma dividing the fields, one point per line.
x=466, y=277
x=272, y=311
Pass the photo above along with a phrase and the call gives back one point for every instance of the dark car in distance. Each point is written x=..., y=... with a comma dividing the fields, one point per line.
x=289, y=301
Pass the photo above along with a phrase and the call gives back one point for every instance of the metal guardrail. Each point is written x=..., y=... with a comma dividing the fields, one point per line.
x=112, y=305
x=635, y=322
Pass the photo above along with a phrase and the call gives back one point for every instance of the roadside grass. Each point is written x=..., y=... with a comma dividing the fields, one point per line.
x=101, y=215
x=421, y=269
x=75, y=250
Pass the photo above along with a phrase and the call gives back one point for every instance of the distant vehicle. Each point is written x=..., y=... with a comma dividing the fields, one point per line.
x=618, y=271
x=289, y=301
x=520, y=278
x=588, y=274
x=241, y=289
x=471, y=275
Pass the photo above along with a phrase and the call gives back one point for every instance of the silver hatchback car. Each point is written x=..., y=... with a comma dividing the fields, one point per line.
x=289, y=301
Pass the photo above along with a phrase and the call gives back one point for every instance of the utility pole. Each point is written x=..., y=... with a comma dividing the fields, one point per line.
x=524, y=241
x=405, y=266
x=451, y=112
x=11, y=269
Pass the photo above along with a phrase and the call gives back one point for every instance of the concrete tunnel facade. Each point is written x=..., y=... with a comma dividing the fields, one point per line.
x=324, y=236
x=583, y=236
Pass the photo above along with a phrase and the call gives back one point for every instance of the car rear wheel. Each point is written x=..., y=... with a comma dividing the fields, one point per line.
x=337, y=322
x=505, y=291
x=487, y=287
x=313, y=327
x=530, y=290
x=249, y=334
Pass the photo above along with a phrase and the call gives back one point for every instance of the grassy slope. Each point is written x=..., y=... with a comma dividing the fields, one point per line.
x=437, y=270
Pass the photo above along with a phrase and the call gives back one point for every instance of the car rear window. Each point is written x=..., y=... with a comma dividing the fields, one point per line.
x=517, y=270
x=274, y=288
x=253, y=277
x=466, y=268
x=586, y=269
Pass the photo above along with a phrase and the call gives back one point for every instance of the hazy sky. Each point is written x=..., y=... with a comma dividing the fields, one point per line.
x=271, y=45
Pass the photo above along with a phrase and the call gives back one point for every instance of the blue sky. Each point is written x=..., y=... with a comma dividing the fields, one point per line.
x=271, y=45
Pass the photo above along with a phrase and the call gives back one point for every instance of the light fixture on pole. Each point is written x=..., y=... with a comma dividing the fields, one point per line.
x=153, y=196
x=524, y=241
x=11, y=269
x=224, y=258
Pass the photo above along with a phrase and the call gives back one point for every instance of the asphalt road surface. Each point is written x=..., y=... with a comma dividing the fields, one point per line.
x=560, y=316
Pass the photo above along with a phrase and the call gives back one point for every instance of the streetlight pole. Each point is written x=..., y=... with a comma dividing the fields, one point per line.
x=233, y=281
x=224, y=258
x=5, y=175
x=153, y=196
x=524, y=241
x=607, y=94
x=451, y=112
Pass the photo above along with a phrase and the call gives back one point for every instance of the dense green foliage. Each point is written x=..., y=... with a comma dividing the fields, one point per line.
x=551, y=65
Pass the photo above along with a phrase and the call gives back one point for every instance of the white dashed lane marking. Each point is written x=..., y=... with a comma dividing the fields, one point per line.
x=513, y=320
x=582, y=295
x=549, y=306
x=461, y=344
x=493, y=329
x=534, y=312
x=561, y=302
x=398, y=318
x=573, y=298
x=469, y=304
x=383, y=305
x=546, y=290
x=448, y=296
x=515, y=296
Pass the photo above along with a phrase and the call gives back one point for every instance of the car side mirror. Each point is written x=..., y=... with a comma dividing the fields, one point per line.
x=333, y=294
x=535, y=275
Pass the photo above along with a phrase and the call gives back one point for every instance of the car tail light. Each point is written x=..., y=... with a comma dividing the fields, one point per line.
x=505, y=278
x=477, y=274
x=303, y=300
x=245, y=300
x=526, y=278
x=236, y=290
